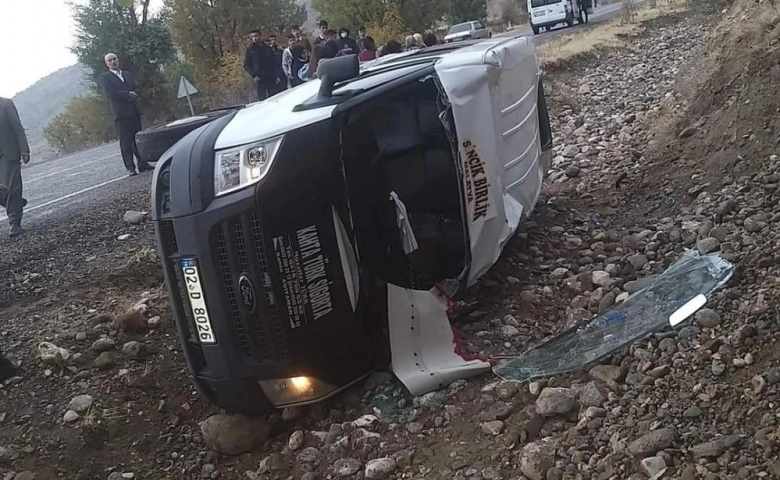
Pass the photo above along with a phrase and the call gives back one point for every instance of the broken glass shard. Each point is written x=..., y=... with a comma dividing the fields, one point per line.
x=672, y=297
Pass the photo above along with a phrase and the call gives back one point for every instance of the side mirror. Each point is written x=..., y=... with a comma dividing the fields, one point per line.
x=335, y=70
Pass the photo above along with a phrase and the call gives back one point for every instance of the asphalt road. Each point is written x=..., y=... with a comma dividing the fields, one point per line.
x=76, y=181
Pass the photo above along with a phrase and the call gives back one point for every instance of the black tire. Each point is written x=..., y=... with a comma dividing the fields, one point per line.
x=570, y=20
x=545, y=129
x=154, y=141
x=535, y=30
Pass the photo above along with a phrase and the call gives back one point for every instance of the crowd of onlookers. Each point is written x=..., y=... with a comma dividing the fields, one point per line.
x=275, y=68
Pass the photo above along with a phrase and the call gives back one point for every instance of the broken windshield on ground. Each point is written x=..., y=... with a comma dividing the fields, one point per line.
x=644, y=312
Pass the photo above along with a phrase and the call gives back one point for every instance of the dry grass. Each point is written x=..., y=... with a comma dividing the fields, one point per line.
x=606, y=34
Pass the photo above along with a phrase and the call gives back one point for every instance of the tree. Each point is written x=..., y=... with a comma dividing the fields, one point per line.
x=85, y=122
x=510, y=12
x=414, y=15
x=207, y=30
x=140, y=39
x=457, y=11
x=212, y=34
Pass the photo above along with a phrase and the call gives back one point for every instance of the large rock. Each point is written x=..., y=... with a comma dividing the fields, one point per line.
x=654, y=467
x=716, y=447
x=135, y=350
x=601, y=278
x=571, y=151
x=638, y=261
x=589, y=395
x=493, y=428
x=611, y=375
x=296, y=440
x=708, y=245
x=653, y=442
x=380, y=468
x=707, y=318
x=537, y=458
x=555, y=401
x=80, y=404
x=234, y=434
x=103, y=344
x=131, y=321
x=346, y=467
x=104, y=361
x=309, y=455
x=134, y=218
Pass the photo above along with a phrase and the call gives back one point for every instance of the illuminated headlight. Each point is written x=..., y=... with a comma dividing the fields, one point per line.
x=295, y=390
x=243, y=166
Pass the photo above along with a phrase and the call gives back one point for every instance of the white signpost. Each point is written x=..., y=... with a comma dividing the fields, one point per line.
x=185, y=90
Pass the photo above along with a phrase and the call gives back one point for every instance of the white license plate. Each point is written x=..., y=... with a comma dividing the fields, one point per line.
x=200, y=313
x=539, y=14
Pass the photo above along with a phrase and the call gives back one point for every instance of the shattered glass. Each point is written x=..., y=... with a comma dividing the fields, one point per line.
x=644, y=312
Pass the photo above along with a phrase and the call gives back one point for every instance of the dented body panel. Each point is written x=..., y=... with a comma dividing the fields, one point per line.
x=499, y=145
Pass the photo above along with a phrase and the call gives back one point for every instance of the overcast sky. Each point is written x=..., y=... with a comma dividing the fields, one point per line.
x=34, y=40
x=35, y=36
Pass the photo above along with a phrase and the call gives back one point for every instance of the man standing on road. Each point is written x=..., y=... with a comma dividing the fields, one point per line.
x=259, y=63
x=121, y=89
x=13, y=151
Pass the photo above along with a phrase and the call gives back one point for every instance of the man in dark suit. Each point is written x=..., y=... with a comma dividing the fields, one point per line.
x=121, y=89
x=13, y=151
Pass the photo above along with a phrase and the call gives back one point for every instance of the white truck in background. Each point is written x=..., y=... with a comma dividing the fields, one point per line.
x=549, y=13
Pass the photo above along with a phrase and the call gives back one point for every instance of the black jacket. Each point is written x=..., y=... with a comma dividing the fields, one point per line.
x=118, y=93
x=278, y=53
x=260, y=61
x=348, y=46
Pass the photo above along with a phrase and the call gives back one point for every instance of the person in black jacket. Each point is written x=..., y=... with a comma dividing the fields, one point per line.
x=122, y=91
x=260, y=64
x=347, y=45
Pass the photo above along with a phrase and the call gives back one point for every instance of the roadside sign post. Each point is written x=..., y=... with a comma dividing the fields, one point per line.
x=185, y=90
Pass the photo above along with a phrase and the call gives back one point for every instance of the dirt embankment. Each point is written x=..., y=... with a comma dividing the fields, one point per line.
x=726, y=123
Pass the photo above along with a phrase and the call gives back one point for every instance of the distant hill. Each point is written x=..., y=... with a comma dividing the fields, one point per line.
x=42, y=101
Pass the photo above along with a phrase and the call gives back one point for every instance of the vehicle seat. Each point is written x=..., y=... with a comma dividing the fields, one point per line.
x=395, y=127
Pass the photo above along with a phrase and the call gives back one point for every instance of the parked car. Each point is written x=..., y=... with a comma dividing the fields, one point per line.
x=312, y=238
x=467, y=30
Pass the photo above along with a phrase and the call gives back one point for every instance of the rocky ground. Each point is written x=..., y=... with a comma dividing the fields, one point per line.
x=656, y=152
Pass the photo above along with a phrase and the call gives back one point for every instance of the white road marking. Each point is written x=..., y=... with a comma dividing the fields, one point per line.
x=40, y=177
x=70, y=195
x=44, y=163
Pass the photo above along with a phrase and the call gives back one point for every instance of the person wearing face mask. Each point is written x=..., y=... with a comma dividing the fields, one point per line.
x=347, y=46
